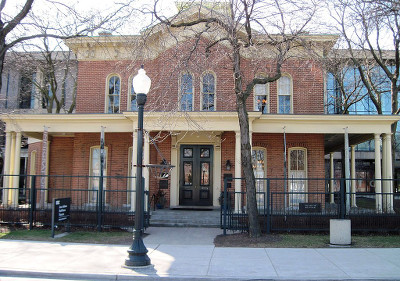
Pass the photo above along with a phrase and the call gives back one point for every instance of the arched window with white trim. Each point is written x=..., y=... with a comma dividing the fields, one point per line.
x=297, y=183
x=186, y=92
x=113, y=94
x=132, y=104
x=94, y=172
x=285, y=95
x=208, y=92
x=259, y=161
x=261, y=97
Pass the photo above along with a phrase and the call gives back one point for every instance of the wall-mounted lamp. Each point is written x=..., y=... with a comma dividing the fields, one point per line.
x=228, y=165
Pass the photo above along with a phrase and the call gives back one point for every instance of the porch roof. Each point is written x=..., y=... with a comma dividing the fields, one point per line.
x=360, y=127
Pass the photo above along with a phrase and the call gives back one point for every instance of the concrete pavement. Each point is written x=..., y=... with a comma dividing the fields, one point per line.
x=189, y=254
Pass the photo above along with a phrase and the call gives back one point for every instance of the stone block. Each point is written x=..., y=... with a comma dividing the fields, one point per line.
x=340, y=232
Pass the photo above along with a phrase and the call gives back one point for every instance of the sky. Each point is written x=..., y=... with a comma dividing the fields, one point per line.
x=133, y=24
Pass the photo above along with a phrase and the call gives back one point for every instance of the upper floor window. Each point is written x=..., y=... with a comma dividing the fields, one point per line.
x=27, y=90
x=113, y=94
x=208, y=92
x=186, y=92
x=285, y=95
x=47, y=98
x=261, y=98
x=132, y=104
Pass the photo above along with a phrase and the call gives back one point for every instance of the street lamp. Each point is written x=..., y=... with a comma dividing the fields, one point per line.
x=137, y=252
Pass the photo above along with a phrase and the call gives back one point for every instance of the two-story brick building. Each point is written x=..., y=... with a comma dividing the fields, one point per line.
x=191, y=116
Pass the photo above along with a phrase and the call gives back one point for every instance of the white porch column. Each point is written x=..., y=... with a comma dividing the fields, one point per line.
x=238, y=172
x=347, y=169
x=387, y=174
x=332, y=182
x=353, y=176
x=384, y=173
x=217, y=168
x=133, y=171
x=378, y=174
x=7, y=162
x=46, y=183
x=174, y=189
x=16, y=170
x=146, y=160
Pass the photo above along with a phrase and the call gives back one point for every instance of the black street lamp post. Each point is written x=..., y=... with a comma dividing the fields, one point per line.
x=138, y=252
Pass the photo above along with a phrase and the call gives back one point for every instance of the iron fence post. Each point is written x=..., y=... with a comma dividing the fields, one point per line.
x=100, y=204
x=268, y=208
x=143, y=195
x=32, y=198
x=225, y=201
x=342, y=211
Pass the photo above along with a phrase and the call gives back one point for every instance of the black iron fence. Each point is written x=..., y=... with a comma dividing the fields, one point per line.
x=304, y=204
x=106, y=207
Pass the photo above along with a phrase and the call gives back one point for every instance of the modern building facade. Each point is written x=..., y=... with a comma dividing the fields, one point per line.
x=25, y=76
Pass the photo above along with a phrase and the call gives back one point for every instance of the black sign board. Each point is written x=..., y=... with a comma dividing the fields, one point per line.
x=60, y=212
x=61, y=209
x=309, y=207
x=163, y=184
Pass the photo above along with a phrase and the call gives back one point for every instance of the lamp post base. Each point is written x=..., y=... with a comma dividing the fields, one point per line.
x=137, y=252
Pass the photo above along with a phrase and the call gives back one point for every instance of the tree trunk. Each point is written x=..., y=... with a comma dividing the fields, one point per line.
x=251, y=201
x=2, y=58
x=245, y=145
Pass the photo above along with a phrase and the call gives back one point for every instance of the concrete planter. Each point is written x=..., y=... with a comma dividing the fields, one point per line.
x=340, y=232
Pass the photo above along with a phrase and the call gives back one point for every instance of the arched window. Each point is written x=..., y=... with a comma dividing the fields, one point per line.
x=113, y=94
x=186, y=92
x=297, y=175
x=132, y=104
x=94, y=172
x=285, y=95
x=208, y=92
x=261, y=97
x=259, y=161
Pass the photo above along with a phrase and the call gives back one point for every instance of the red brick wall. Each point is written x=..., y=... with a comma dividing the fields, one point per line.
x=308, y=89
x=117, y=145
x=274, y=145
x=70, y=156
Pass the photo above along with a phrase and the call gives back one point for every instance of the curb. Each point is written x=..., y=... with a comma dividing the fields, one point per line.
x=126, y=277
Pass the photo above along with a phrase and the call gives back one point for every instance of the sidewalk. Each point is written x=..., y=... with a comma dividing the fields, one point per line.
x=188, y=254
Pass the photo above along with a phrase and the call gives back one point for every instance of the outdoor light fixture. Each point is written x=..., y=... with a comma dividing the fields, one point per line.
x=228, y=165
x=141, y=82
x=137, y=252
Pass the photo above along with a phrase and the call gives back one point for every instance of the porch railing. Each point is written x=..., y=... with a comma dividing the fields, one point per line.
x=281, y=209
x=32, y=205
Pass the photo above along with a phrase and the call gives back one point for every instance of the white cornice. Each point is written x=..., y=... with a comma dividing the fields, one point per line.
x=200, y=121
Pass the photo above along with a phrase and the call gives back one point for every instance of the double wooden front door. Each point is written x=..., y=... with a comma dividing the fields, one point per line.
x=196, y=175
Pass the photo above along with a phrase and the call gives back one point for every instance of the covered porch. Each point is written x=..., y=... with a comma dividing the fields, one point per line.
x=205, y=128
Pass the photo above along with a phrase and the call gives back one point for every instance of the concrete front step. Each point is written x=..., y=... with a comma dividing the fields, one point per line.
x=181, y=224
x=185, y=218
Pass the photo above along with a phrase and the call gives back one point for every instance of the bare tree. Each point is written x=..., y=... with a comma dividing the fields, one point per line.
x=344, y=86
x=26, y=23
x=244, y=26
x=370, y=32
x=50, y=76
